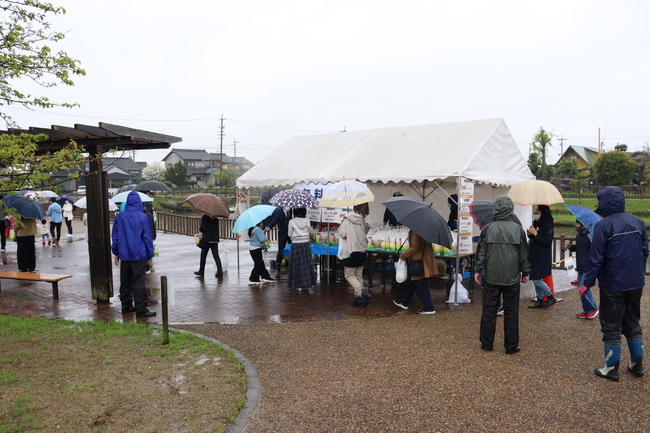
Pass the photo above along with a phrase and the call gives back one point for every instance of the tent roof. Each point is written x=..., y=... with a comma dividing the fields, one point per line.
x=481, y=150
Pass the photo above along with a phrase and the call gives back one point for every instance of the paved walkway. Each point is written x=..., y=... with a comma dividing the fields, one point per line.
x=207, y=300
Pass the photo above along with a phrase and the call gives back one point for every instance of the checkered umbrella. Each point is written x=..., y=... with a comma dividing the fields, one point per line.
x=294, y=198
x=208, y=204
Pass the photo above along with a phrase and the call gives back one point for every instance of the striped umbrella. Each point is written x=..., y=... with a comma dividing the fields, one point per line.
x=208, y=204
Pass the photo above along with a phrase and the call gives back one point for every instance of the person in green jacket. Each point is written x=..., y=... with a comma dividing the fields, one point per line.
x=501, y=266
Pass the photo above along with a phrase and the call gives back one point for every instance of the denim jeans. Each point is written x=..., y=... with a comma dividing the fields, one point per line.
x=541, y=289
x=588, y=301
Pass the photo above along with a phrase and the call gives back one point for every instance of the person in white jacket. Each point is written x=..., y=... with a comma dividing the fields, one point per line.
x=353, y=231
x=68, y=216
x=301, y=266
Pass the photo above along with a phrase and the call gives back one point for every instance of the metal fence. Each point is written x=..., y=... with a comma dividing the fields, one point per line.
x=631, y=192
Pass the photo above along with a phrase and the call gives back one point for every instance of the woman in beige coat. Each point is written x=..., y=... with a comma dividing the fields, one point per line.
x=419, y=249
x=353, y=231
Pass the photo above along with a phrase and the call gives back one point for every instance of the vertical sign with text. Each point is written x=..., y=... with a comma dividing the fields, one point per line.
x=465, y=188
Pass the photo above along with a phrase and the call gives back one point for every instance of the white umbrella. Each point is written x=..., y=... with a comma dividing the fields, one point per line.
x=84, y=205
x=46, y=194
x=121, y=197
x=345, y=193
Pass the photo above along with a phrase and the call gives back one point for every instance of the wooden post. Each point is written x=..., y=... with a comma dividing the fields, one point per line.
x=165, y=317
x=99, y=236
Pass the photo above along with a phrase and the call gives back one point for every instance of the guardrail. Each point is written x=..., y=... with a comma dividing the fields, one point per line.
x=189, y=225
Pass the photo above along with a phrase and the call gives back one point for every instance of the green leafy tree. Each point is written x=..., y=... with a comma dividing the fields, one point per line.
x=227, y=177
x=154, y=171
x=542, y=140
x=621, y=147
x=535, y=164
x=614, y=168
x=23, y=167
x=177, y=174
x=26, y=54
x=567, y=167
x=582, y=177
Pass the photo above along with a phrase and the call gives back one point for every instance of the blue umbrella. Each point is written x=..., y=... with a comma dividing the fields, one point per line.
x=586, y=216
x=26, y=207
x=250, y=217
x=294, y=198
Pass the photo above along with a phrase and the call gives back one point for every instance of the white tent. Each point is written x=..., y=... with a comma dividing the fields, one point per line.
x=416, y=160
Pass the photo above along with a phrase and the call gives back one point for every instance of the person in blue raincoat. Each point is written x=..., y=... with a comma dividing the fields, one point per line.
x=619, y=252
x=133, y=247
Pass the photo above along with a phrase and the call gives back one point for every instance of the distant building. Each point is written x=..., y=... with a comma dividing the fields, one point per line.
x=201, y=164
x=583, y=156
x=119, y=171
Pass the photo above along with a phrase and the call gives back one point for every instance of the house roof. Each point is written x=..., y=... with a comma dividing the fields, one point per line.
x=191, y=155
x=125, y=164
x=588, y=154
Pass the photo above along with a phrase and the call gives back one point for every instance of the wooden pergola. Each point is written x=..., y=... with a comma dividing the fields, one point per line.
x=97, y=140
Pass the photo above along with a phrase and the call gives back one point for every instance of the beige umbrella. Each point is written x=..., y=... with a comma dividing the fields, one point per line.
x=531, y=192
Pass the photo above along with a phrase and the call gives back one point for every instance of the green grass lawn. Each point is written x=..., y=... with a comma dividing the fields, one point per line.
x=640, y=208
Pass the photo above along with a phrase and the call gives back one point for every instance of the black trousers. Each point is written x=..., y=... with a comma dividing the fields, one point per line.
x=620, y=313
x=491, y=299
x=214, y=247
x=26, y=253
x=57, y=227
x=283, y=238
x=132, y=287
x=259, y=270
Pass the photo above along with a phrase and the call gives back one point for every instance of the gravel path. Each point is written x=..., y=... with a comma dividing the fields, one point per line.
x=413, y=373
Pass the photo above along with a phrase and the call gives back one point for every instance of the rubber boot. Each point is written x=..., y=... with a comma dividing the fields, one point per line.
x=612, y=359
x=636, y=355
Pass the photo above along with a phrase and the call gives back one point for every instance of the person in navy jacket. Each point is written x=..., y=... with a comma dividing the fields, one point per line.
x=619, y=251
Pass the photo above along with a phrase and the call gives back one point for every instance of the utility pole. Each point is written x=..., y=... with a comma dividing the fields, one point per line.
x=561, y=145
x=221, y=146
x=234, y=151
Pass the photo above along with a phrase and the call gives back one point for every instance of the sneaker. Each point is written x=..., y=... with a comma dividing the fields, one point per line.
x=444, y=277
x=428, y=312
x=265, y=280
x=582, y=315
x=500, y=311
x=402, y=306
x=254, y=282
x=592, y=315
x=486, y=348
x=148, y=273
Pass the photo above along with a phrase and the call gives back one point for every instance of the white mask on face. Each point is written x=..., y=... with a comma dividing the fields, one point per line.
x=536, y=217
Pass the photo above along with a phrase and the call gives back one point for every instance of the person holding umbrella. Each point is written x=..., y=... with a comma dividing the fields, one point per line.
x=582, y=247
x=25, y=250
x=419, y=249
x=540, y=255
x=301, y=266
x=209, y=242
x=354, y=230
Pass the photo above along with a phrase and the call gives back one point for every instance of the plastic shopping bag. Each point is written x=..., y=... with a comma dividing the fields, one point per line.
x=401, y=271
x=458, y=293
x=570, y=265
x=223, y=256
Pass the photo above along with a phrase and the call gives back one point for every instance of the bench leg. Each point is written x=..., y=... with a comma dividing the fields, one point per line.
x=55, y=290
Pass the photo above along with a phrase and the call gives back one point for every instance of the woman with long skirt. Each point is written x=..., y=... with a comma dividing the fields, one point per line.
x=301, y=266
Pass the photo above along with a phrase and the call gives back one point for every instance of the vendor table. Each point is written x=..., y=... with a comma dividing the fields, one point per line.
x=322, y=250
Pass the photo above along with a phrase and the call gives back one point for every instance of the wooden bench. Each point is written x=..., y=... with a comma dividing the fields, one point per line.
x=35, y=276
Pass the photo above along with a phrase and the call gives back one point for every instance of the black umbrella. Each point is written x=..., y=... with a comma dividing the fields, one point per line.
x=126, y=188
x=26, y=207
x=421, y=218
x=482, y=211
x=152, y=185
x=63, y=198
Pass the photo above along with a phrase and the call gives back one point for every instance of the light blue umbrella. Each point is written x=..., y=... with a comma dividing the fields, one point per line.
x=250, y=217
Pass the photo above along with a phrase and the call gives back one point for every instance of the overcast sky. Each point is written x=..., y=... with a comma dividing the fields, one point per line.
x=276, y=69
